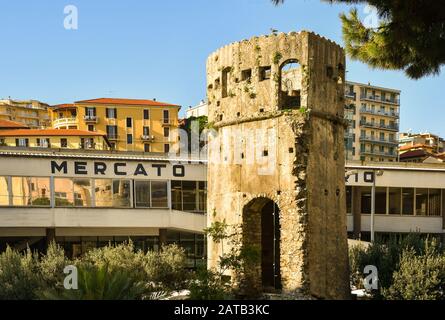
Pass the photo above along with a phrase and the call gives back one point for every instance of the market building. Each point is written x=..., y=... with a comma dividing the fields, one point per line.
x=86, y=200
x=89, y=199
x=409, y=197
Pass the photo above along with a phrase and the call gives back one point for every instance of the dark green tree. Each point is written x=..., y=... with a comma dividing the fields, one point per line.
x=410, y=35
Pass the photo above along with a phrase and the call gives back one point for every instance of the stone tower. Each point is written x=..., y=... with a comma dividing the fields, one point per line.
x=276, y=166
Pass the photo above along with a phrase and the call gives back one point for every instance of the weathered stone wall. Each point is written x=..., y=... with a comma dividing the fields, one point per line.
x=299, y=164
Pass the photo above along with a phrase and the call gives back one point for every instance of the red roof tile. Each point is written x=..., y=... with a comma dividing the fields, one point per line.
x=47, y=132
x=11, y=124
x=414, y=154
x=416, y=146
x=63, y=106
x=134, y=102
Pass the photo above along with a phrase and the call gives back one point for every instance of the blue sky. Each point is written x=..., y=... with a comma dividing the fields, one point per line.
x=157, y=49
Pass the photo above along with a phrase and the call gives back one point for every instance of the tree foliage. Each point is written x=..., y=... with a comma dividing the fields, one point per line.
x=409, y=267
x=112, y=272
x=418, y=277
x=410, y=35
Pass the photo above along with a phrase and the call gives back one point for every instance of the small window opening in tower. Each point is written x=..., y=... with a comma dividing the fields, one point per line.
x=246, y=75
x=290, y=84
x=265, y=73
x=225, y=81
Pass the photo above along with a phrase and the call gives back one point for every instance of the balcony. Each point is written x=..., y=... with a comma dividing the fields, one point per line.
x=379, y=141
x=112, y=137
x=90, y=119
x=167, y=122
x=389, y=127
x=147, y=138
x=44, y=145
x=27, y=115
x=87, y=145
x=381, y=113
x=379, y=153
x=64, y=122
x=379, y=99
x=351, y=95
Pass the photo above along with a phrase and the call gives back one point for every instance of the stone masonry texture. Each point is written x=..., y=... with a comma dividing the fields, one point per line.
x=300, y=115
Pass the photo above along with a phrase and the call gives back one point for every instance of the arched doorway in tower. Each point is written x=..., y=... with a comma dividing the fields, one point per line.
x=261, y=228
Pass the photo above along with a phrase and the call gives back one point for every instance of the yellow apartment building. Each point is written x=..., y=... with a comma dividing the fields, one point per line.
x=51, y=138
x=373, y=116
x=31, y=113
x=129, y=124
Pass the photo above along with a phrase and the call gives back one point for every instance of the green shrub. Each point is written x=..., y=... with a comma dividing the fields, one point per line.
x=104, y=273
x=100, y=283
x=19, y=276
x=122, y=257
x=386, y=256
x=209, y=285
x=166, y=269
x=51, y=266
x=418, y=277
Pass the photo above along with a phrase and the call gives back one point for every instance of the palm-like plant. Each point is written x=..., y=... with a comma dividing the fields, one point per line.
x=99, y=283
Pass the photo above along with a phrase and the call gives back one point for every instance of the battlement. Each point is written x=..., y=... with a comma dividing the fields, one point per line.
x=272, y=73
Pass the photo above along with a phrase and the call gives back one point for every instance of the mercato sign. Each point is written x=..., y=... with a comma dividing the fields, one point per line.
x=118, y=168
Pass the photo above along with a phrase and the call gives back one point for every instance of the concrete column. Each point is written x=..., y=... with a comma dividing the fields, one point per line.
x=50, y=236
x=443, y=216
x=162, y=237
x=356, y=214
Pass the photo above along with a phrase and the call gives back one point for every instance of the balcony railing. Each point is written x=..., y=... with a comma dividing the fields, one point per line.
x=64, y=122
x=90, y=118
x=44, y=145
x=167, y=122
x=147, y=138
x=352, y=95
x=378, y=140
x=394, y=127
x=379, y=99
x=380, y=113
x=380, y=153
x=27, y=115
x=87, y=145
